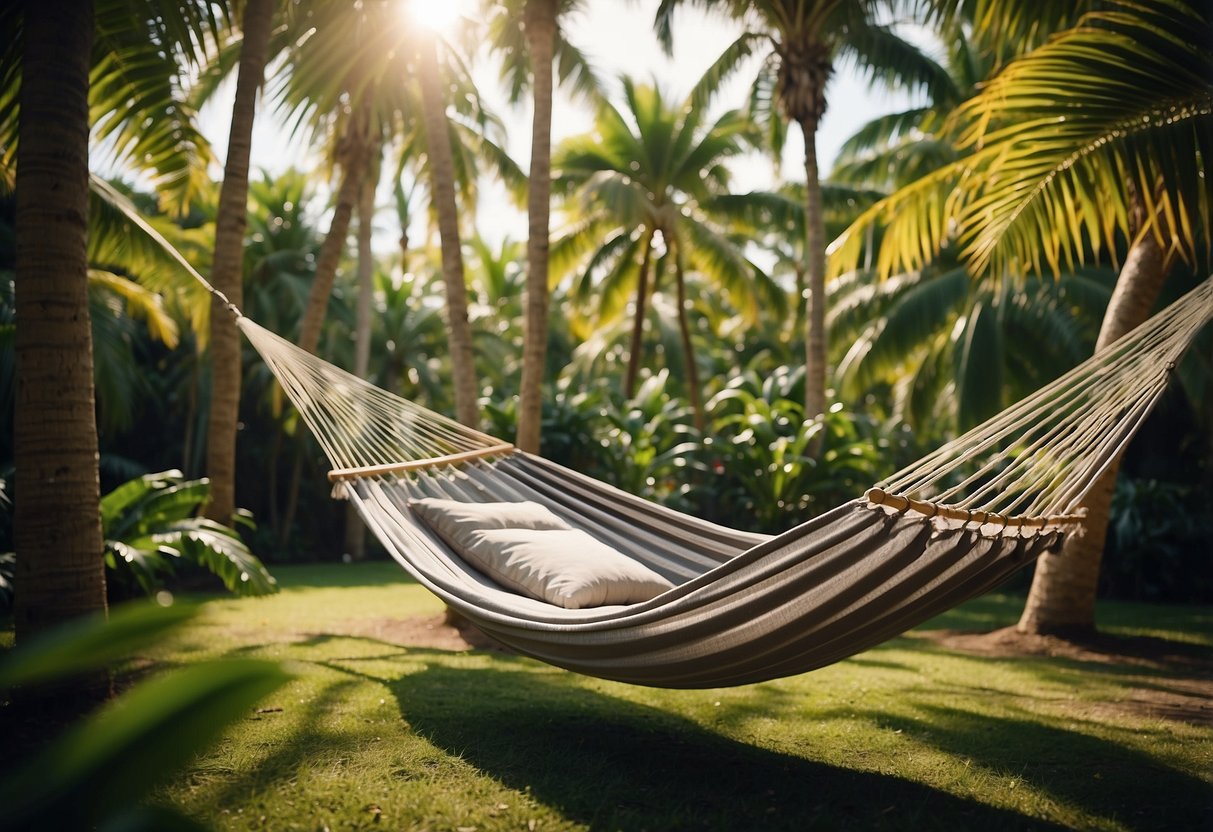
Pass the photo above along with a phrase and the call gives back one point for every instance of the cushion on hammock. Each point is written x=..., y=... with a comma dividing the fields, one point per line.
x=543, y=560
x=565, y=567
x=455, y=521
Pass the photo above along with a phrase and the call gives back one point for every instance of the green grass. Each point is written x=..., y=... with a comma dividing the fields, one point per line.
x=376, y=735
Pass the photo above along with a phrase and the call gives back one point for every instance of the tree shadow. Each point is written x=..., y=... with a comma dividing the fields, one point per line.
x=1124, y=785
x=613, y=764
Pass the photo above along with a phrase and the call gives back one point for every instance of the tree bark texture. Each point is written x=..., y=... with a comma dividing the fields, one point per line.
x=60, y=574
x=355, y=151
x=1062, y=598
x=815, y=272
x=355, y=530
x=442, y=192
x=541, y=34
x=227, y=271
x=637, y=342
x=688, y=349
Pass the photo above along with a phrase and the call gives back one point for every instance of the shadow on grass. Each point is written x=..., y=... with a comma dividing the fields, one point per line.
x=613, y=764
x=1113, y=781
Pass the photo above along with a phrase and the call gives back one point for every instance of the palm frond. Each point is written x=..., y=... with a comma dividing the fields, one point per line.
x=882, y=131
x=141, y=304
x=119, y=236
x=1122, y=98
x=730, y=61
x=884, y=56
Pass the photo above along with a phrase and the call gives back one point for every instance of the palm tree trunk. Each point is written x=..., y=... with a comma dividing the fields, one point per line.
x=815, y=271
x=687, y=350
x=541, y=33
x=228, y=264
x=442, y=190
x=1062, y=598
x=60, y=574
x=637, y=343
x=355, y=146
x=355, y=531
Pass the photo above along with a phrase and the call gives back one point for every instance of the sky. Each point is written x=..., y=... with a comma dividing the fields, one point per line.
x=617, y=36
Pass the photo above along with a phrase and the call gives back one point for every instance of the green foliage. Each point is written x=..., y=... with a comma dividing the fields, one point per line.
x=87, y=644
x=1059, y=146
x=760, y=460
x=100, y=769
x=149, y=523
x=1158, y=544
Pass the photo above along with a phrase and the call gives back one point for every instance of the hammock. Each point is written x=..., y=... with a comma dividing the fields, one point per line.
x=744, y=607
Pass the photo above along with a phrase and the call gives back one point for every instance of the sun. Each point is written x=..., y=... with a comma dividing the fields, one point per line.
x=436, y=15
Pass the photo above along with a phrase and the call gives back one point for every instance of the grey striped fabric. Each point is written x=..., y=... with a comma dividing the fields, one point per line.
x=744, y=608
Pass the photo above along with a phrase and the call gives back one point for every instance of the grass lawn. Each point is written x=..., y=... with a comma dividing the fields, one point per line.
x=380, y=731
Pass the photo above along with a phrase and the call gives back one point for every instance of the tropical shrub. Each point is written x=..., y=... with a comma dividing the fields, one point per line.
x=1158, y=542
x=150, y=525
x=763, y=474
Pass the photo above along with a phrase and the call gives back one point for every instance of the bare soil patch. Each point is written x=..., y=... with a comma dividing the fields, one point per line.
x=1176, y=681
x=432, y=631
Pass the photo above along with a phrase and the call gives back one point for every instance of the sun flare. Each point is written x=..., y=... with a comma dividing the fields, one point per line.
x=436, y=15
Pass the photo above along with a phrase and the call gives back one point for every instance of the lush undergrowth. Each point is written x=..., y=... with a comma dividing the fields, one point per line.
x=376, y=734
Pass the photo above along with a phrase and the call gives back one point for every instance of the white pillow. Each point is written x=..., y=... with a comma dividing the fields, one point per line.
x=565, y=567
x=525, y=547
x=456, y=521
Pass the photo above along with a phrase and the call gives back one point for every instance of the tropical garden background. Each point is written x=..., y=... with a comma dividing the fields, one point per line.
x=664, y=325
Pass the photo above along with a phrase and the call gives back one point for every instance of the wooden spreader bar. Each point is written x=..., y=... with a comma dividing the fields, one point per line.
x=897, y=502
x=342, y=474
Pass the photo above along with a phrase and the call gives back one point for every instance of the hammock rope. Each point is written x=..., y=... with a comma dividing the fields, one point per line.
x=1036, y=459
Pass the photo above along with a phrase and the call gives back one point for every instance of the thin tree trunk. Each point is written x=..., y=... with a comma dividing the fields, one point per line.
x=540, y=33
x=442, y=192
x=1062, y=598
x=688, y=350
x=637, y=344
x=815, y=271
x=355, y=531
x=228, y=264
x=60, y=574
x=353, y=163
x=292, y=500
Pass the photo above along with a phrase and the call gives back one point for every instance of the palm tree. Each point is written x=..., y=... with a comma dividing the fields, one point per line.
x=355, y=529
x=646, y=190
x=357, y=95
x=801, y=40
x=1098, y=138
x=226, y=272
x=442, y=194
x=527, y=33
x=57, y=527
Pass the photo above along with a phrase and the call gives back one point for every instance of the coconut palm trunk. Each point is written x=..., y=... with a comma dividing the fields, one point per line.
x=688, y=350
x=228, y=264
x=1062, y=598
x=442, y=191
x=355, y=531
x=815, y=272
x=541, y=35
x=354, y=154
x=637, y=341
x=60, y=574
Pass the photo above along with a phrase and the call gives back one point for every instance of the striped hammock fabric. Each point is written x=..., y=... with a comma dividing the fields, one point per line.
x=745, y=607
